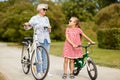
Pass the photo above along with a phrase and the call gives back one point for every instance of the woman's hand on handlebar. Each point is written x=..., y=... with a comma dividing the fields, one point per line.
x=26, y=25
x=49, y=28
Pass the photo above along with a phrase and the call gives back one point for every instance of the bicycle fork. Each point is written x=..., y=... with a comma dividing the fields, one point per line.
x=38, y=58
x=87, y=63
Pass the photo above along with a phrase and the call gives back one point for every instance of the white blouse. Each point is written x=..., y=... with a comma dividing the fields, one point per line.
x=38, y=22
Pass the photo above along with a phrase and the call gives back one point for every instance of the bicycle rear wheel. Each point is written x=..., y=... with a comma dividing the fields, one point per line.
x=40, y=63
x=92, y=70
x=25, y=60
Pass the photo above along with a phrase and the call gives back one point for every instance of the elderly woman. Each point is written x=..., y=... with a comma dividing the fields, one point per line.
x=40, y=21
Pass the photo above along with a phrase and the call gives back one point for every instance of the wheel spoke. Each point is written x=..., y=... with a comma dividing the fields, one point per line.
x=92, y=71
x=25, y=60
x=39, y=67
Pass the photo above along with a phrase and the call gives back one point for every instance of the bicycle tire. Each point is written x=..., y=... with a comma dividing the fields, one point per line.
x=33, y=64
x=91, y=63
x=76, y=69
x=25, y=60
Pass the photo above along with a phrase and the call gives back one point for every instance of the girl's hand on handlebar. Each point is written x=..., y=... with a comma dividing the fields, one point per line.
x=93, y=43
x=75, y=46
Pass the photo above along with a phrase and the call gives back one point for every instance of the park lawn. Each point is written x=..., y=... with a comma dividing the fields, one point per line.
x=103, y=57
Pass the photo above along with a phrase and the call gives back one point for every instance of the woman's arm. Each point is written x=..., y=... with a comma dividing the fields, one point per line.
x=49, y=26
x=30, y=24
x=68, y=39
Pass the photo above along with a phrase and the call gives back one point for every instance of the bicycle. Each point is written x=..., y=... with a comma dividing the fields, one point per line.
x=79, y=63
x=29, y=57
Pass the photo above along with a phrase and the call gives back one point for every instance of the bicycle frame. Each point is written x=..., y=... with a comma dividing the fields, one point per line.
x=85, y=61
x=33, y=46
x=81, y=61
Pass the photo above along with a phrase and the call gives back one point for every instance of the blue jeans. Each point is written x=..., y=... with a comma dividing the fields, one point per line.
x=46, y=45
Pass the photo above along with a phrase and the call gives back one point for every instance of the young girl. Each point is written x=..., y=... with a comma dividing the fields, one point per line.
x=73, y=39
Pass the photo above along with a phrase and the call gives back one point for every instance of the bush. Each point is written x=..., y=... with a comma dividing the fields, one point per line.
x=109, y=38
x=108, y=17
x=16, y=14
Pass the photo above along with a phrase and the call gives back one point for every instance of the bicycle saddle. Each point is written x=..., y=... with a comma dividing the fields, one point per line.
x=28, y=38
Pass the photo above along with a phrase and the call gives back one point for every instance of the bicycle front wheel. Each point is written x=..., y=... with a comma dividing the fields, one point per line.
x=25, y=59
x=40, y=63
x=92, y=70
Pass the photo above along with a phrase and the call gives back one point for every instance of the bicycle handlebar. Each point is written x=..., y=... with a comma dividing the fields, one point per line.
x=44, y=27
x=89, y=44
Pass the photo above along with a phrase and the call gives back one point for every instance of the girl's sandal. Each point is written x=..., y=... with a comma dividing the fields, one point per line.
x=64, y=76
x=72, y=76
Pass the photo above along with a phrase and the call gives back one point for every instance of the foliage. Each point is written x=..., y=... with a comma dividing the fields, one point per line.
x=109, y=38
x=104, y=3
x=83, y=9
x=12, y=17
x=108, y=17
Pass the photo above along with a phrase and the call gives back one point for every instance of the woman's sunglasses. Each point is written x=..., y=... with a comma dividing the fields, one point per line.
x=45, y=9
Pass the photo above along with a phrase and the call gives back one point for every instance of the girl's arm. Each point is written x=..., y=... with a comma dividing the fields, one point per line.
x=88, y=38
x=68, y=39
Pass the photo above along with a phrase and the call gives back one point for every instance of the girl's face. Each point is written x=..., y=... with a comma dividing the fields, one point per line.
x=43, y=11
x=72, y=22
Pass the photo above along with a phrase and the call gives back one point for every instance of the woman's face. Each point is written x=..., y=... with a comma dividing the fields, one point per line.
x=43, y=11
x=72, y=22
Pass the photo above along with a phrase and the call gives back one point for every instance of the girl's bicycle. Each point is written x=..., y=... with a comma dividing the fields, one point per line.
x=85, y=60
x=32, y=57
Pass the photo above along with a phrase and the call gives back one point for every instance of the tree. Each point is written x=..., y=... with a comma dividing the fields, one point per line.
x=83, y=9
x=11, y=28
x=108, y=17
x=12, y=17
x=108, y=27
x=104, y=3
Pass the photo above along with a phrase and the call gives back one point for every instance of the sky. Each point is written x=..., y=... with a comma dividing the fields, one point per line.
x=2, y=0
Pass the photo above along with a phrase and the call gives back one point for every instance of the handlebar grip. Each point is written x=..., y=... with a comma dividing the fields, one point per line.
x=26, y=25
x=45, y=27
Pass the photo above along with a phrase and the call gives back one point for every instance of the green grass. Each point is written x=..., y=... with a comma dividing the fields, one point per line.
x=103, y=57
x=56, y=48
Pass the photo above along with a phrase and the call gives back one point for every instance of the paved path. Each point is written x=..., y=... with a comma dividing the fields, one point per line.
x=10, y=66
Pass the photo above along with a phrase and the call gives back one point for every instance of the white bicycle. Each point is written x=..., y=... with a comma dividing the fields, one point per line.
x=29, y=57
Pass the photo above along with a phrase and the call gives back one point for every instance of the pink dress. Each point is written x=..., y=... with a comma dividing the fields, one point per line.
x=69, y=51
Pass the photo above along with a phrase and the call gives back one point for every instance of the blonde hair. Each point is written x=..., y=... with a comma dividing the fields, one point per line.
x=77, y=22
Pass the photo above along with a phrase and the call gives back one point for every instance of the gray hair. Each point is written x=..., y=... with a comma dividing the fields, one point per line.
x=41, y=6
